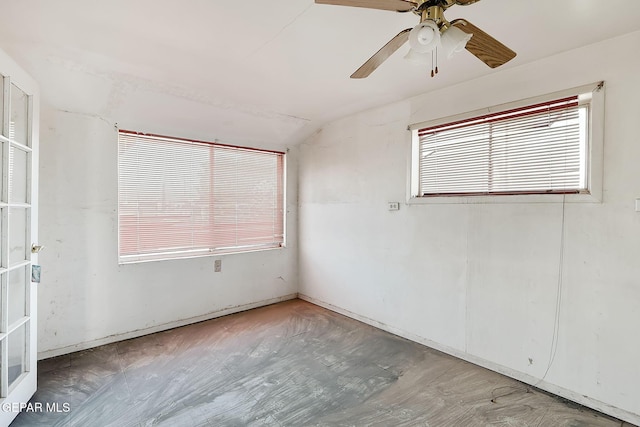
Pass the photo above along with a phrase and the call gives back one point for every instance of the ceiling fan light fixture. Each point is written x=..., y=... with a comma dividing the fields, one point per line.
x=424, y=37
x=453, y=41
x=417, y=57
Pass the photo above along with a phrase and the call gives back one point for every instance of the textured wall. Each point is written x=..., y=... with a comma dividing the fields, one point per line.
x=481, y=280
x=86, y=298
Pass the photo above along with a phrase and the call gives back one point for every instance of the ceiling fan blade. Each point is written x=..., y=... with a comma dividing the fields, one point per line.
x=380, y=56
x=465, y=2
x=483, y=46
x=393, y=5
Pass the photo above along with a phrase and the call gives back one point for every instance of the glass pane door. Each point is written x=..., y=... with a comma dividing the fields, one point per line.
x=14, y=238
x=17, y=228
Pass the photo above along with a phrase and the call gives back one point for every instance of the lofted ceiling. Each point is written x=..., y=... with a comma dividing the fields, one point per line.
x=269, y=72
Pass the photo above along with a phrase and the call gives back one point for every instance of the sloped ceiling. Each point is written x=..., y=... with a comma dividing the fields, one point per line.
x=262, y=72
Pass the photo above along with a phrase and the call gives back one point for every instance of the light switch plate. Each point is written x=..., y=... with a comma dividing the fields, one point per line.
x=637, y=205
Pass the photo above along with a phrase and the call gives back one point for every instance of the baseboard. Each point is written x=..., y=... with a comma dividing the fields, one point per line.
x=163, y=327
x=525, y=378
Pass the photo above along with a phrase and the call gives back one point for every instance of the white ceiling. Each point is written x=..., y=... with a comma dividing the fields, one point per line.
x=262, y=72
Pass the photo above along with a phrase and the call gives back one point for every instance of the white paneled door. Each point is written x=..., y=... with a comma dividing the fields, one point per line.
x=18, y=237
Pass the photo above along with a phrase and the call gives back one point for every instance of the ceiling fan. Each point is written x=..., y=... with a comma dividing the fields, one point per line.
x=432, y=33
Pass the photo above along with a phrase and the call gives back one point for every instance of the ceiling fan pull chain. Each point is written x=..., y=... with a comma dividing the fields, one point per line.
x=432, y=73
x=436, y=59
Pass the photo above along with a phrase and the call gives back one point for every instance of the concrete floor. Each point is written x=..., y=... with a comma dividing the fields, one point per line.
x=289, y=364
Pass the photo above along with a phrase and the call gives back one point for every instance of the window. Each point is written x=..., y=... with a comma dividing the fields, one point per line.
x=540, y=147
x=179, y=198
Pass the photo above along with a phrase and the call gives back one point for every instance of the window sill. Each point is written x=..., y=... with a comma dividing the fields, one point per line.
x=169, y=257
x=507, y=199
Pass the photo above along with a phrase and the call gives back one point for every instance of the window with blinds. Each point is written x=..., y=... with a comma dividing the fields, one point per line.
x=534, y=149
x=179, y=198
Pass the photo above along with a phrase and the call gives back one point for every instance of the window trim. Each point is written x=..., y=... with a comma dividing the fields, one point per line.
x=594, y=165
x=200, y=253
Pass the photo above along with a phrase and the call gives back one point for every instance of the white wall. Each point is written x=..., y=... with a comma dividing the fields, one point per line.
x=85, y=297
x=481, y=280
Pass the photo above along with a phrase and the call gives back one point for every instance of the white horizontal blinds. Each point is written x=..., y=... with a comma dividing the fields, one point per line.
x=185, y=198
x=163, y=195
x=535, y=149
x=247, y=198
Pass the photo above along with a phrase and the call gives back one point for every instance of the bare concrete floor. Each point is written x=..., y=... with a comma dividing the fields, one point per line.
x=289, y=364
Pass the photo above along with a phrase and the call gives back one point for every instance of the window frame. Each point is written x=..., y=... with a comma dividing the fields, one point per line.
x=595, y=149
x=199, y=253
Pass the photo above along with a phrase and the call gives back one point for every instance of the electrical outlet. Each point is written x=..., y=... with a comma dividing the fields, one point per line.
x=217, y=266
x=394, y=206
